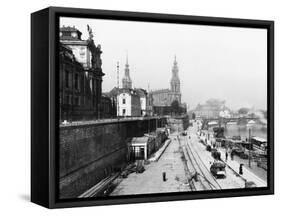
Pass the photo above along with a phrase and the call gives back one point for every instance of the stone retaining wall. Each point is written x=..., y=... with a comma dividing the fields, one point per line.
x=90, y=152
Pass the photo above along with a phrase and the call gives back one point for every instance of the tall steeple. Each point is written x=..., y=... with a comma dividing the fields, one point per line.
x=126, y=81
x=175, y=81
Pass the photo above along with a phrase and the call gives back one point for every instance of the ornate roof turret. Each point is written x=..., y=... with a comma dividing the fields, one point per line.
x=126, y=81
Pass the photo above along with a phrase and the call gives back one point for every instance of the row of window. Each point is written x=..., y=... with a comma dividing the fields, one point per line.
x=68, y=79
x=94, y=85
x=76, y=100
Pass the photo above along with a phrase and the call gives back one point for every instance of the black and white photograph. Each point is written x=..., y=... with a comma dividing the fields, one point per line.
x=151, y=108
x=140, y=108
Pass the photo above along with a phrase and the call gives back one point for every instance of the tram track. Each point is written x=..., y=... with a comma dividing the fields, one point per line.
x=200, y=171
x=212, y=180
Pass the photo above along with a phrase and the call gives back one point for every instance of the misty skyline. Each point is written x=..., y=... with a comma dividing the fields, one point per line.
x=214, y=62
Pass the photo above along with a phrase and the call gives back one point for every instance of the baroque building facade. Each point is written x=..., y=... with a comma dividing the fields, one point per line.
x=80, y=77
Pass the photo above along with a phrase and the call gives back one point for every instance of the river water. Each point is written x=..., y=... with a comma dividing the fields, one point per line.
x=243, y=130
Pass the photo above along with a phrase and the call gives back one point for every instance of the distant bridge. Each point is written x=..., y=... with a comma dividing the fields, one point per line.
x=223, y=121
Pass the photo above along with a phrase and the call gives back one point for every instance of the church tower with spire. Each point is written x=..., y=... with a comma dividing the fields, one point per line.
x=175, y=82
x=126, y=81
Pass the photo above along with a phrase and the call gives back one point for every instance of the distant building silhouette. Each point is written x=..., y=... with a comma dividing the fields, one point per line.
x=210, y=109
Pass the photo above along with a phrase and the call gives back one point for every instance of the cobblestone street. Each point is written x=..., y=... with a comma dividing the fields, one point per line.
x=150, y=181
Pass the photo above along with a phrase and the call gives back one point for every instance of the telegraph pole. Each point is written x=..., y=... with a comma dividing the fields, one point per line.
x=250, y=147
x=117, y=102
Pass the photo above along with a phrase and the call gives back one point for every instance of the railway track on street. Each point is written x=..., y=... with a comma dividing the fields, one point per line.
x=201, y=175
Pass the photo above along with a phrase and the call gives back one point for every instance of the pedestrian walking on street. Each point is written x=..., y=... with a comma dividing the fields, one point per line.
x=241, y=169
x=164, y=176
x=226, y=156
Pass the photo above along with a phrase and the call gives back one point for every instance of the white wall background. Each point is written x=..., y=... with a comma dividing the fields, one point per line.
x=15, y=106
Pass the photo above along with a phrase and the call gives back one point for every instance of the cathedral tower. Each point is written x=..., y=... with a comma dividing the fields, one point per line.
x=175, y=82
x=126, y=81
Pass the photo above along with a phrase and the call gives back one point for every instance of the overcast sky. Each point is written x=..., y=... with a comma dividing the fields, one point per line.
x=214, y=62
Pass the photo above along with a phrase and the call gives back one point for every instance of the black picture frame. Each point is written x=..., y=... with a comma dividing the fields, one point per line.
x=44, y=104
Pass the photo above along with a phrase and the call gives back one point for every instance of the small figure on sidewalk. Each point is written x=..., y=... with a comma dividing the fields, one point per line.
x=226, y=156
x=241, y=169
x=164, y=176
x=196, y=176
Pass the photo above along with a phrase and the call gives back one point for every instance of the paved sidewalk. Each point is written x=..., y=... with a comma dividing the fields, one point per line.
x=247, y=174
x=150, y=181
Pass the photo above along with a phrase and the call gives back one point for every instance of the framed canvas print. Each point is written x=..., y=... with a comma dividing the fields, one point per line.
x=139, y=107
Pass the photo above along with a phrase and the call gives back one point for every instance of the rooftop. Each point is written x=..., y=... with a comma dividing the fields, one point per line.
x=68, y=28
x=160, y=91
x=139, y=139
x=70, y=33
